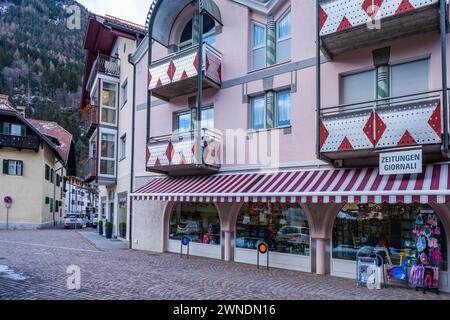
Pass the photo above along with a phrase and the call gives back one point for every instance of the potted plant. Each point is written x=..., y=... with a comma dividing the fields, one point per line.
x=100, y=227
x=108, y=229
x=123, y=229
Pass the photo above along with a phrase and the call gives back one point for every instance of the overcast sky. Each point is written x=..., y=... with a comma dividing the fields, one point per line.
x=132, y=10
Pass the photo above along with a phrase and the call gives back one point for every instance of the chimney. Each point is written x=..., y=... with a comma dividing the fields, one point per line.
x=21, y=110
x=4, y=98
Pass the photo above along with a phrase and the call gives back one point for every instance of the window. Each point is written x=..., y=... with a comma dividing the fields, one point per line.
x=47, y=172
x=14, y=129
x=58, y=180
x=358, y=87
x=124, y=92
x=108, y=103
x=283, y=108
x=108, y=154
x=258, y=112
x=52, y=176
x=284, y=38
x=123, y=147
x=183, y=121
x=199, y=222
x=47, y=200
x=13, y=167
x=284, y=227
x=208, y=118
x=209, y=33
x=409, y=78
x=51, y=205
x=258, y=46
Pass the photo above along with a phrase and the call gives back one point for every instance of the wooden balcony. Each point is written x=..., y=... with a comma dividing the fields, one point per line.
x=90, y=170
x=175, y=155
x=352, y=24
x=176, y=75
x=91, y=120
x=10, y=141
x=356, y=133
x=106, y=65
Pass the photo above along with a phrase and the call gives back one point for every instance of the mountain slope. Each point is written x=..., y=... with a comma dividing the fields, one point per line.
x=42, y=61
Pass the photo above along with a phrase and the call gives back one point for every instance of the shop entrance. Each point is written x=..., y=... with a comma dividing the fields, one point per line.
x=201, y=224
x=392, y=225
x=284, y=227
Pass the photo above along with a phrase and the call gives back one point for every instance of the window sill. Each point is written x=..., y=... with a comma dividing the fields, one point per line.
x=255, y=131
x=269, y=67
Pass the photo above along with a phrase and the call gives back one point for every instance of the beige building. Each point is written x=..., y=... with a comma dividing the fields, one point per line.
x=36, y=156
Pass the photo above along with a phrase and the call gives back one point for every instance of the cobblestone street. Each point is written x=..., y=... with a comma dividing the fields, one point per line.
x=33, y=265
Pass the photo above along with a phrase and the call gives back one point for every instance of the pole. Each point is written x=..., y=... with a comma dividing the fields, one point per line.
x=443, y=23
x=318, y=81
x=198, y=140
x=7, y=218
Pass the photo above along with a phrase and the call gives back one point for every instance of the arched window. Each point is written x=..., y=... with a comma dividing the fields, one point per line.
x=209, y=33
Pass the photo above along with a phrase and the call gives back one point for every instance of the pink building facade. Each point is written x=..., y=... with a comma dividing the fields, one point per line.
x=272, y=158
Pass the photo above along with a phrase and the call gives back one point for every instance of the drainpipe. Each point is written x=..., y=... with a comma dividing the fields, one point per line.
x=133, y=127
x=318, y=81
x=442, y=13
x=198, y=133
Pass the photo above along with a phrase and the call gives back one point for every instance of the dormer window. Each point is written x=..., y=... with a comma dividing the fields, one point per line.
x=209, y=33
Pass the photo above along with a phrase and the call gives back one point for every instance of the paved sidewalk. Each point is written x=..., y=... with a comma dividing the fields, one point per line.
x=36, y=265
x=101, y=242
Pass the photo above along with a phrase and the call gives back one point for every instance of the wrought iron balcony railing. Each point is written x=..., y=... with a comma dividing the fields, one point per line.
x=104, y=64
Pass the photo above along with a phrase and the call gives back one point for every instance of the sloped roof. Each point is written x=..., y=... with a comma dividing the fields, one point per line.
x=54, y=130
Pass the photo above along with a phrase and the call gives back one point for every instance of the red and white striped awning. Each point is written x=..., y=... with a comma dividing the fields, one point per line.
x=305, y=186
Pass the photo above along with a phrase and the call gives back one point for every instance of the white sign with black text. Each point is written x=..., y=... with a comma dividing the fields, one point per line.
x=401, y=162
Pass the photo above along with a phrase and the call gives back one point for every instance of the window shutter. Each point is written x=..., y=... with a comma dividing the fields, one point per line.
x=24, y=131
x=20, y=169
x=5, y=128
x=47, y=172
x=47, y=200
x=5, y=166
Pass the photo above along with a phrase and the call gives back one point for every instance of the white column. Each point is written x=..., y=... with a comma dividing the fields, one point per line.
x=320, y=256
x=227, y=245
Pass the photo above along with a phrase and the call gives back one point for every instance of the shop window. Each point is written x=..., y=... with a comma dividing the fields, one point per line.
x=284, y=227
x=360, y=225
x=198, y=221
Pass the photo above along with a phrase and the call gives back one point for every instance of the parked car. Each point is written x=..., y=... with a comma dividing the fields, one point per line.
x=95, y=221
x=74, y=220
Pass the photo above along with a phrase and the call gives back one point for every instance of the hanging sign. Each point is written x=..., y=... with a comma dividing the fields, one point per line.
x=401, y=162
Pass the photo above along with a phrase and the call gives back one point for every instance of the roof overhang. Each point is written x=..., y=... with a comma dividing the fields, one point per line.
x=263, y=6
x=163, y=13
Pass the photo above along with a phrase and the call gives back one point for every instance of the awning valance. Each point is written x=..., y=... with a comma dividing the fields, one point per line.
x=305, y=186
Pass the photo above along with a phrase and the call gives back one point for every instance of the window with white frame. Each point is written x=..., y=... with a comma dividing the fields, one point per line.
x=284, y=38
x=259, y=59
x=13, y=167
x=409, y=78
x=108, y=154
x=124, y=92
x=123, y=147
x=258, y=112
x=109, y=93
x=358, y=87
x=209, y=33
x=283, y=108
x=184, y=121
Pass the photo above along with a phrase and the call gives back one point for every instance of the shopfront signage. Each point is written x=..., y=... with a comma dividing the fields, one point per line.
x=401, y=162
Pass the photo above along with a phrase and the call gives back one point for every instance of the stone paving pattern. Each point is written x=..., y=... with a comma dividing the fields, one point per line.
x=43, y=257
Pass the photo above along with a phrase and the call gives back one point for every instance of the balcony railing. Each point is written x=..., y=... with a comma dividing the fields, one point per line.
x=104, y=64
x=10, y=141
x=410, y=120
x=91, y=120
x=176, y=154
x=351, y=24
x=90, y=170
x=176, y=74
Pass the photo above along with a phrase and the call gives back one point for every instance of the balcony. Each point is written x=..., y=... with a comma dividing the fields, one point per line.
x=352, y=24
x=91, y=120
x=106, y=65
x=90, y=170
x=355, y=133
x=175, y=155
x=176, y=75
x=10, y=141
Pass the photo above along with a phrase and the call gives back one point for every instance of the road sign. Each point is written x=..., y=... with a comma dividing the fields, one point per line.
x=8, y=200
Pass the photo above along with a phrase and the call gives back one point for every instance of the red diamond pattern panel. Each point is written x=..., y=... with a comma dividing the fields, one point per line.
x=323, y=134
x=322, y=17
x=368, y=128
x=345, y=24
x=404, y=6
x=345, y=145
x=367, y=6
x=380, y=128
x=435, y=121
x=171, y=70
x=407, y=140
x=170, y=151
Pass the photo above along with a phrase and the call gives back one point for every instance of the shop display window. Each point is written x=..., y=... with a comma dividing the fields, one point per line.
x=383, y=226
x=284, y=227
x=197, y=221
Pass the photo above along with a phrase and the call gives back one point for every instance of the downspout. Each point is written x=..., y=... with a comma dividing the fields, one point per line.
x=198, y=140
x=318, y=82
x=443, y=22
x=133, y=126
